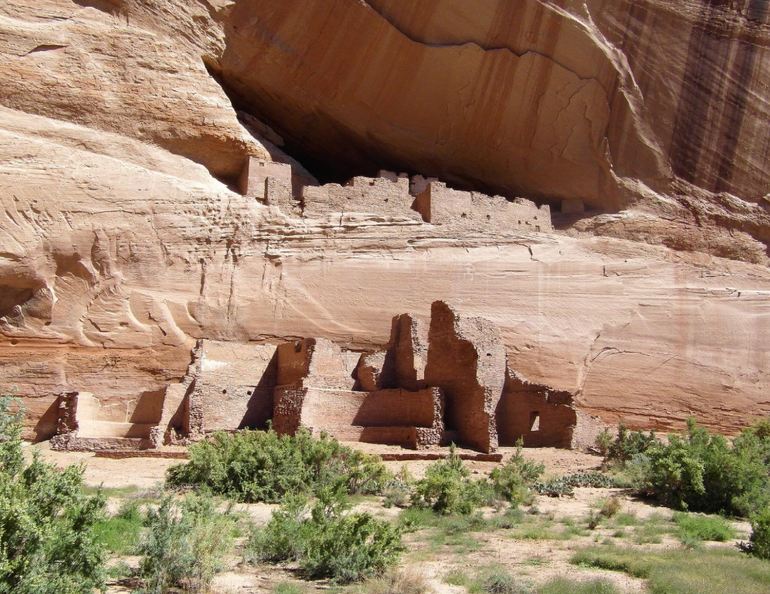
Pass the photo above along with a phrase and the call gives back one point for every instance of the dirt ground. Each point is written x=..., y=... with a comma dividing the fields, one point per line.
x=534, y=558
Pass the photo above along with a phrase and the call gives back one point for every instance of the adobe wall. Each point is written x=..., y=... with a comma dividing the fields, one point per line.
x=466, y=359
x=441, y=205
x=256, y=172
x=234, y=386
x=539, y=416
x=382, y=196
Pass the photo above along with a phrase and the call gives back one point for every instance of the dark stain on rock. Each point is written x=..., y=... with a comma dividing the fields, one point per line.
x=738, y=93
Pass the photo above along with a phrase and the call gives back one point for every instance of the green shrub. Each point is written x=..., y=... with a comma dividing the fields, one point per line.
x=48, y=542
x=398, y=491
x=603, y=442
x=759, y=544
x=326, y=540
x=257, y=466
x=697, y=527
x=184, y=545
x=496, y=579
x=699, y=471
x=397, y=582
x=565, y=485
x=628, y=444
x=448, y=489
x=514, y=480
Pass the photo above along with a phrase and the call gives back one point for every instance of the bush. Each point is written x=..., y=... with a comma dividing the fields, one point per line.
x=448, y=489
x=326, y=540
x=565, y=485
x=699, y=471
x=254, y=466
x=185, y=545
x=628, y=444
x=398, y=491
x=759, y=544
x=514, y=480
x=603, y=442
x=48, y=543
x=398, y=582
x=497, y=580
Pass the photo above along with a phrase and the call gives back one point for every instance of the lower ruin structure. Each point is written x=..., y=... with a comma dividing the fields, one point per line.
x=447, y=381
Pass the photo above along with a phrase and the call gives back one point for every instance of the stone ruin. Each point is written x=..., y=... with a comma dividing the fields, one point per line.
x=393, y=197
x=447, y=381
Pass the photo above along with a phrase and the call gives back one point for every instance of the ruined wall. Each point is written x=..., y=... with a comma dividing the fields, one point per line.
x=440, y=205
x=384, y=196
x=466, y=359
x=540, y=416
x=234, y=386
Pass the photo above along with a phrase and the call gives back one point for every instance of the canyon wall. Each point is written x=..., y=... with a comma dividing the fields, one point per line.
x=123, y=240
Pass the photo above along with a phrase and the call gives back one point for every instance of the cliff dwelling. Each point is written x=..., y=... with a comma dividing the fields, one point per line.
x=445, y=381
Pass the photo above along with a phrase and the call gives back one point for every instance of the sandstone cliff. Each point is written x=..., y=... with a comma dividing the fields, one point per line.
x=122, y=239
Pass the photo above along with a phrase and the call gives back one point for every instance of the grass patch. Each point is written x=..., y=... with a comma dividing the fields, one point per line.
x=698, y=527
x=288, y=588
x=403, y=582
x=707, y=571
x=652, y=530
x=119, y=534
x=568, y=586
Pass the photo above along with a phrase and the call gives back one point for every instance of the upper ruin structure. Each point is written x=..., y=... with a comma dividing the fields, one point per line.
x=391, y=195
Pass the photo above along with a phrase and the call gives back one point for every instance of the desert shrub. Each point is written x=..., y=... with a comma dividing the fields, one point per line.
x=697, y=527
x=700, y=471
x=603, y=442
x=565, y=485
x=514, y=480
x=628, y=444
x=759, y=545
x=448, y=489
x=257, y=466
x=184, y=545
x=397, y=582
x=497, y=580
x=610, y=507
x=397, y=492
x=48, y=543
x=326, y=539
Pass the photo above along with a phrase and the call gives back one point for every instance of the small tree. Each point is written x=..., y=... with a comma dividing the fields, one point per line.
x=47, y=536
x=447, y=487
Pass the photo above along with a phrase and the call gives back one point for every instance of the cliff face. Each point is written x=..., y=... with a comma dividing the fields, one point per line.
x=120, y=242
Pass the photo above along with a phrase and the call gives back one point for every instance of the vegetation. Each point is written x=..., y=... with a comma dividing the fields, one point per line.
x=254, y=466
x=120, y=532
x=515, y=479
x=700, y=471
x=185, y=545
x=401, y=582
x=567, y=586
x=326, y=539
x=697, y=527
x=565, y=485
x=760, y=534
x=448, y=489
x=49, y=543
x=704, y=571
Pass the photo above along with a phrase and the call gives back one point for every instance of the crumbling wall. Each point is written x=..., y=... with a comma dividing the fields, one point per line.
x=466, y=359
x=441, y=205
x=537, y=414
x=387, y=195
x=234, y=386
x=84, y=426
